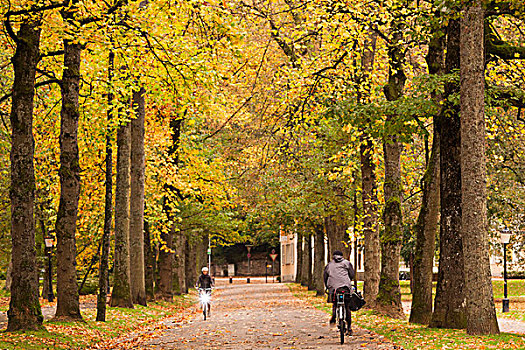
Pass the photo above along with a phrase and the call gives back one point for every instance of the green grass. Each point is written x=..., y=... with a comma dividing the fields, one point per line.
x=83, y=335
x=411, y=336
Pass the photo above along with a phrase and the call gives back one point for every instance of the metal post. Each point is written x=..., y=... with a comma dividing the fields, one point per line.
x=505, y=302
x=50, y=295
x=273, y=276
x=266, y=266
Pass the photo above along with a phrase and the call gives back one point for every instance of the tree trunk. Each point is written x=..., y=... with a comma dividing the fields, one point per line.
x=8, y=278
x=426, y=226
x=337, y=236
x=309, y=264
x=449, y=303
x=68, y=305
x=164, y=287
x=136, y=223
x=149, y=262
x=372, y=258
x=103, y=277
x=304, y=268
x=481, y=313
x=425, y=230
x=121, y=293
x=389, y=296
x=24, y=307
x=299, y=274
x=319, y=259
x=180, y=264
x=190, y=264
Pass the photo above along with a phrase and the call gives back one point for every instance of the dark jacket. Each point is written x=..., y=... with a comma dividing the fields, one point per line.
x=338, y=273
x=204, y=281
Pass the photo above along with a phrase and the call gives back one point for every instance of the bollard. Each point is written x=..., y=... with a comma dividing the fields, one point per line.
x=231, y=280
x=248, y=280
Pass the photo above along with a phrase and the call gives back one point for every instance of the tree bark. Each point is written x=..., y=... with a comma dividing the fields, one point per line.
x=103, y=277
x=449, y=303
x=372, y=260
x=425, y=230
x=481, y=312
x=164, y=287
x=24, y=307
x=299, y=274
x=304, y=268
x=179, y=275
x=121, y=293
x=427, y=222
x=309, y=272
x=149, y=262
x=136, y=224
x=389, y=296
x=190, y=263
x=68, y=305
x=337, y=236
x=319, y=259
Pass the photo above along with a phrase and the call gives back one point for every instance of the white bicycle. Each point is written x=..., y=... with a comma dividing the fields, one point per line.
x=205, y=299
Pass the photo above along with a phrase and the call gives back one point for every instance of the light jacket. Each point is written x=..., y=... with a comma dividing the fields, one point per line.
x=338, y=273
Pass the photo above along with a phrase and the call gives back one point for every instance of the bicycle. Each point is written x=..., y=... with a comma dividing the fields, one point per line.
x=205, y=299
x=344, y=321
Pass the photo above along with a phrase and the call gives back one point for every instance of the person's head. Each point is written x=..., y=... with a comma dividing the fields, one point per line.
x=338, y=255
x=204, y=270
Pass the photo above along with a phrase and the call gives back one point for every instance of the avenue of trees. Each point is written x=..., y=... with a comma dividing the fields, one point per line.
x=133, y=132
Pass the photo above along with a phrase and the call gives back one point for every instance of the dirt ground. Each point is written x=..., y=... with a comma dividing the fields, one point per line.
x=259, y=316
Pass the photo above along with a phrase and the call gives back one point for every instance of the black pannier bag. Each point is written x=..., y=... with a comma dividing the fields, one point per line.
x=356, y=301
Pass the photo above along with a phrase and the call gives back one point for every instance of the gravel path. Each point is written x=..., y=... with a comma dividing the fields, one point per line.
x=260, y=316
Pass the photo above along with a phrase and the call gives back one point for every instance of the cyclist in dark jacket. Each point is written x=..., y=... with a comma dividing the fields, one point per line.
x=339, y=273
x=205, y=280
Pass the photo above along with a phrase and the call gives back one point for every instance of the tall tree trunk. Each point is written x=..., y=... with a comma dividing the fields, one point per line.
x=304, y=268
x=299, y=262
x=449, y=303
x=426, y=226
x=24, y=307
x=103, y=277
x=425, y=230
x=121, y=293
x=372, y=261
x=180, y=264
x=164, y=287
x=337, y=236
x=68, y=305
x=190, y=264
x=389, y=296
x=165, y=263
x=136, y=223
x=319, y=259
x=149, y=264
x=309, y=264
x=481, y=313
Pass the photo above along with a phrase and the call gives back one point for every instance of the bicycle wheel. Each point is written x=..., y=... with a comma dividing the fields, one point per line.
x=204, y=310
x=342, y=324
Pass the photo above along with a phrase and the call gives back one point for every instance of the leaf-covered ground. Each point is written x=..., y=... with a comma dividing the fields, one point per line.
x=92, y=334
x=415, y=336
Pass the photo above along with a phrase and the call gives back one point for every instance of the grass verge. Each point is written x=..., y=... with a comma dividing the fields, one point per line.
x=411, y=336
x=92, y=334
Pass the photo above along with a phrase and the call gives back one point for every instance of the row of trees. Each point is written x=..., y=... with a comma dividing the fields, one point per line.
x=231, y=118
